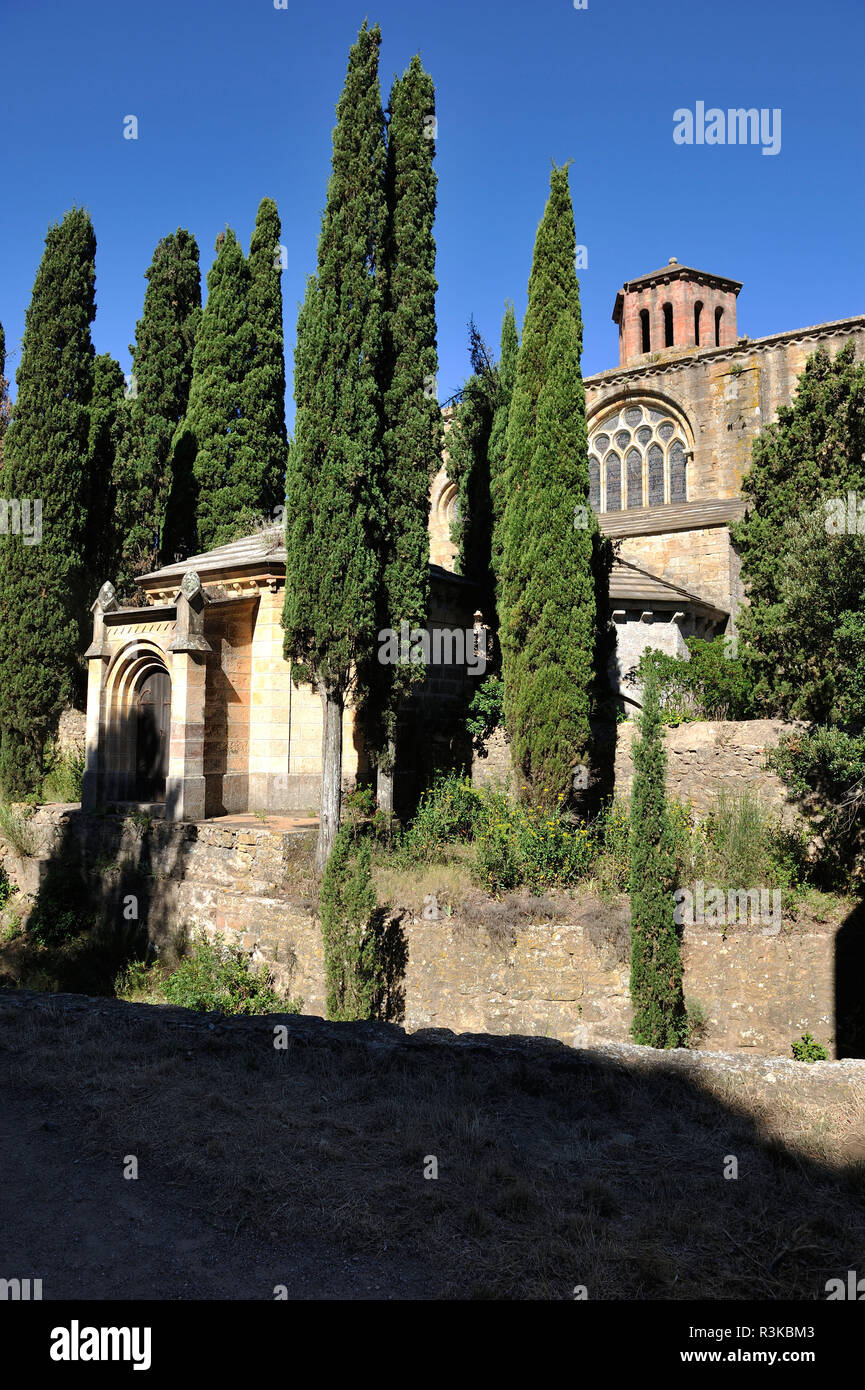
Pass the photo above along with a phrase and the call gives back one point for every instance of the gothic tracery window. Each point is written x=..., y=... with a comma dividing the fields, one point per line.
x=638, y=459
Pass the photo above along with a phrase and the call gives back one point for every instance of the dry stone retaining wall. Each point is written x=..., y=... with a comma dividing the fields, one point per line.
x=564, y=980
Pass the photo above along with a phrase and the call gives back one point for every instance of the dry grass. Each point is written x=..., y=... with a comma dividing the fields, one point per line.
x=554, y=1169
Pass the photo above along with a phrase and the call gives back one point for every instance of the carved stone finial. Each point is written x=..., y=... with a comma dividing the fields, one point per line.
x=191, y=586
x=106, y=599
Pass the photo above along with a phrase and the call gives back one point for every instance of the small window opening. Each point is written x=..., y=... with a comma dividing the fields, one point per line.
x=668, y=325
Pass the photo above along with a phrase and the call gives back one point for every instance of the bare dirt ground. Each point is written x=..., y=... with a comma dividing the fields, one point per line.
x=304, y=1167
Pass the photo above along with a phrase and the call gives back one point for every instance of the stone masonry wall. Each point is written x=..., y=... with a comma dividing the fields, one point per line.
x=727, y=394
x=561, y=979
x=708, y=755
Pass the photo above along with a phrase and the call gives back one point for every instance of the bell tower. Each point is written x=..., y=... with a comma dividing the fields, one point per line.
x=674, y=309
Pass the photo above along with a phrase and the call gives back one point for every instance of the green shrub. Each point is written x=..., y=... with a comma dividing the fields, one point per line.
x=519, y=844
x=347, y=908
x=497, y=865
x=807, y=1049
x=612, y=830
x=138, y=980
x=360, y=802
x=59, y=916
x=711, y=684
x=63, y=779
x=697, y=1017
x=219, y=978
x=485, y=712
x=5, y=888
x=17, y=832
x=452, y=810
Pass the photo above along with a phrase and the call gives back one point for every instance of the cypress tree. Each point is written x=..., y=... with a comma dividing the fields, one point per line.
x=215, y=479
x=108, y=419
x=346, y=907
x=548, y=573
x=159, y=394
x=412, y=418
x=264, y=388
x=4, y=398
x=468, y=465
x=656, y=965
x=334, y=501
x=43, y=601
x=498, y=446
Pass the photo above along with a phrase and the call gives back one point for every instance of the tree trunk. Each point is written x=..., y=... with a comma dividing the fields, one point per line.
x=384, y=781
x=331, y=775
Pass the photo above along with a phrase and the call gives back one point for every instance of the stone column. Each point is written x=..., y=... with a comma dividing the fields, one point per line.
x=185, y=788
x=98, y=657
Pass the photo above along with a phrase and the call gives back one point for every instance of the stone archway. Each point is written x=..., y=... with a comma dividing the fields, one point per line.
x=137, y=725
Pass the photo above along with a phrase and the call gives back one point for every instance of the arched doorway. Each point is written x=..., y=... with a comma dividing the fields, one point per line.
x=152, y=708
x=134, y=745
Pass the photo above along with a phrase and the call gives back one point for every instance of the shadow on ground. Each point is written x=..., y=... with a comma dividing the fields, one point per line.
x=304, y=1166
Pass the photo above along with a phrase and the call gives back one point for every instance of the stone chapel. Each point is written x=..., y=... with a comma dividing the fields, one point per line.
x=191, y=707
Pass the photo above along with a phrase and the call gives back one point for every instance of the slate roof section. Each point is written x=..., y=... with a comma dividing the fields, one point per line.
x=672, y=516
x=264, y=553
x=629, y=585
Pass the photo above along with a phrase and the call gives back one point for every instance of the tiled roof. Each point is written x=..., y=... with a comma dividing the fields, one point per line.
x=666, y=272
x=263, y=548
x=265, y=551
x=674, y=516
x=630, y=584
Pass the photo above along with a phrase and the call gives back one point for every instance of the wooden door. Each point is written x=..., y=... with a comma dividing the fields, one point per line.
x=153, y=715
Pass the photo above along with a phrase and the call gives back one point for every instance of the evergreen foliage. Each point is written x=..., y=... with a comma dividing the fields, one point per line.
x=264, y=388
x=498, y=445
x=813, y=453
x=108, y=419
x=214, y=472
x=334, y=501
x=5, y=407
x=412, y=434
x=468, y=450
x=553, y=561
x=660, y=1019
x=347, y=906
x=47, y=456
x=159, y=394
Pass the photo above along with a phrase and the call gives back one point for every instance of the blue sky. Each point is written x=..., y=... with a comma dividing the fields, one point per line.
x=235, y=100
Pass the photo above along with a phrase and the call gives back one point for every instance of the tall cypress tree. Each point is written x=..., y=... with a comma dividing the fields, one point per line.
x=334, y=501
x=264, y=388
x=4, y=398
x=215, y=479
x=468, y=465
x=498, y=446
x=159, y=394
x=548, y=581
x=108, y=420
x=656, y=964
x=43, y=600
x=412, y=418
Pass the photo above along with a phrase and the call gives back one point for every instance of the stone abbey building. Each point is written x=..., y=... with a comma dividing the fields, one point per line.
x=190, y=702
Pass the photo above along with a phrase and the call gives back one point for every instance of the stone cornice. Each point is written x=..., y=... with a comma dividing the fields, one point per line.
x=663, y=366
